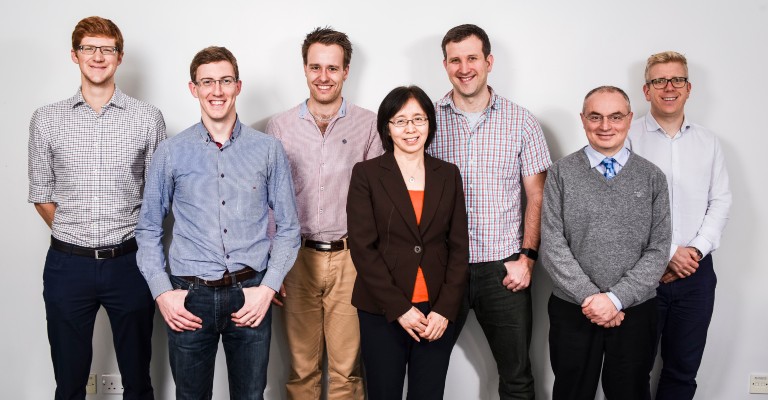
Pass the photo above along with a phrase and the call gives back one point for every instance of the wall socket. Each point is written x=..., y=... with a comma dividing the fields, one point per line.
x=111, y=384
x=758, y=383
x=90, y=387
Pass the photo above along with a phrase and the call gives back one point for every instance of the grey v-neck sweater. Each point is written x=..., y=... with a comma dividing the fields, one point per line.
x=601, y=235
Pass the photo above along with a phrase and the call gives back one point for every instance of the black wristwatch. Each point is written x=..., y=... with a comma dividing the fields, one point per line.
x=698, y=252
x=530, y=253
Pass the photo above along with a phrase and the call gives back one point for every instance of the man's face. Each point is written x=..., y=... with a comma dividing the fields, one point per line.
x=467, y=67
x=217, y=101
x=603, y=122
x=97, y=69
x=325, y=72
x=668, y=102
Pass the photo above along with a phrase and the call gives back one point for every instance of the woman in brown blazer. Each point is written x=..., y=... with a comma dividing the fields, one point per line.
x=408, y=238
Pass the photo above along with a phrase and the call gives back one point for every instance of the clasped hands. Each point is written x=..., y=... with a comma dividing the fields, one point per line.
x=420, y=327
x=600, y=310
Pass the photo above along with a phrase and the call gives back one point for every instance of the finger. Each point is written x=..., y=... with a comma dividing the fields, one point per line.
x=413, y=335
x=276, y=301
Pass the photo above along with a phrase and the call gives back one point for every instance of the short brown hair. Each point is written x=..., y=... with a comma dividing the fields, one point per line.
x=606, y=89
x=99, y=27
x=461, y=32
x=327, y=36
x=210, y=55
x=663, y=58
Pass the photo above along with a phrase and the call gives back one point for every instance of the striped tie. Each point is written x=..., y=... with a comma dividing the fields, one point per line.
x=609, y=171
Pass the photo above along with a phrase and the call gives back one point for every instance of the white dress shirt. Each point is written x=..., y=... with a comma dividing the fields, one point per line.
x=697, y=178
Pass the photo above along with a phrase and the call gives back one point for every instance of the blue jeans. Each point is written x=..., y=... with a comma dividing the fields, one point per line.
x=193, y=353
x=506, y=318
x=74, y=287
x=685, y=310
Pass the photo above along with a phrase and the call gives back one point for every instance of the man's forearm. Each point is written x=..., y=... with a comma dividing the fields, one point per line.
x=46, y=211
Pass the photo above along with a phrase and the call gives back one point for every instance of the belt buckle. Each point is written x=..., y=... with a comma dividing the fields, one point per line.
x=324, y=246
x=110, y=254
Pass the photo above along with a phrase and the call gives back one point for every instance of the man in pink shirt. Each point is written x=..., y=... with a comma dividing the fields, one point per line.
x=324, y=136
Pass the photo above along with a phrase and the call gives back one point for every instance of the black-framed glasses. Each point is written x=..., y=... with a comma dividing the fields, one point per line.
x=208, y=82
x=402, y=122
x=614, y=118
x=105, y=50
x=660, y=83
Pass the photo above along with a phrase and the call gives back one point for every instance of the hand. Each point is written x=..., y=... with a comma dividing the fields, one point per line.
x=414, y=322
x=599, y=309
x=436, y=325
x=257, y=302
x=518, y=273
x=279, y=296
x=178, y=318
x=616, y=321
x=684, y=262
x=669, y=276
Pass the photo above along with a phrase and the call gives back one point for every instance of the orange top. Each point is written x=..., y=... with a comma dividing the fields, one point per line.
x=420, y=294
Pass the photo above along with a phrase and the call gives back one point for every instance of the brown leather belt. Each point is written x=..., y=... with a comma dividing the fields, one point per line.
x=99, y=253
x=334, y=245
x=227, y=280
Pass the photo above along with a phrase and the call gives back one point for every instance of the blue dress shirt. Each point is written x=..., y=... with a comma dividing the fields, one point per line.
x=220, y=198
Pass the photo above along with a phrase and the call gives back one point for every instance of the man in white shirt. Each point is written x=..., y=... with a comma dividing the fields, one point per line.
x=692, y=160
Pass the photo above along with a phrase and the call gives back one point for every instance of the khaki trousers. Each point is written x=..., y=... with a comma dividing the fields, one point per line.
x=319, y=315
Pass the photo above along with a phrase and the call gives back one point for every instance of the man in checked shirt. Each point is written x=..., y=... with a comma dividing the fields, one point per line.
x=497, y=145
x=88, y=158
x=324, y=136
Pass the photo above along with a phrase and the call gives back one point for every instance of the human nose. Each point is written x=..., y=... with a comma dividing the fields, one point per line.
x=98, y=55
x=605, y=124
x=217, y=87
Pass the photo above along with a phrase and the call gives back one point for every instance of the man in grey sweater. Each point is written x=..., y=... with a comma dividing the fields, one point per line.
x=605, y=244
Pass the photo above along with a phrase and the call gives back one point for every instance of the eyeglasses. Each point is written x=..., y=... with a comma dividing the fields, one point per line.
x=208, y=82
x=402, y=122
x=661, y=83
x=613, y=118
x=105, y=50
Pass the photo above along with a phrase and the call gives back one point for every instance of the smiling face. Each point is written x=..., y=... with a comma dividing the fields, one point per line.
x=325, y=73
x=669, y=102
x=217, y=102
x=409, y=139
x=97, y=69
x=466, y=66
x=606, y=136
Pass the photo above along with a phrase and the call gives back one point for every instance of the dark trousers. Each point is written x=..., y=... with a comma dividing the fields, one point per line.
x=579, y=350
x=507, y=321
x=74, y=288
x=387, y=350
x=685, y=310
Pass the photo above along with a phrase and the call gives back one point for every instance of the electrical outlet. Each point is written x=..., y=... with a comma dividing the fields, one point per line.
x=90, y=387
x=758, y=383
x=111, y=384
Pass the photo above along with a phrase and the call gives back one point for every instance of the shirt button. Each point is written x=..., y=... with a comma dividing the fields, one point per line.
x=227, y=256
x=223, y=202
x=417, y=249
x=321, y=211
x=225, y=231
x=222, y=175
x=322, y=188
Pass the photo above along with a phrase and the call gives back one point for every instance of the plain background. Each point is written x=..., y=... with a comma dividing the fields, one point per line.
x=548, y=55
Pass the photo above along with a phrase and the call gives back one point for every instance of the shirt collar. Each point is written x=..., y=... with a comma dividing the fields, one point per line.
x=595, y=157
x=305, y=114
x=118, y=99
x=206, y=137
x=447, y=101
x=651, y=125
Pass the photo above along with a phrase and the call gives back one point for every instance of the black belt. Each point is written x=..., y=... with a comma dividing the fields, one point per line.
x=227, y=280
x=333, y=245
x=99, y=253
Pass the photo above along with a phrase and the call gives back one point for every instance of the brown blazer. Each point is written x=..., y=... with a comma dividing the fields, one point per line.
x=387, y=245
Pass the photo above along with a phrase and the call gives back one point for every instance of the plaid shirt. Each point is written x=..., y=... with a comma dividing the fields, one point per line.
x=506, y=144
x=321, y=165
x=93, y=165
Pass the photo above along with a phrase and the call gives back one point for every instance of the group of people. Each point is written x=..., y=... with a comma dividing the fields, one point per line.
x=450, y=203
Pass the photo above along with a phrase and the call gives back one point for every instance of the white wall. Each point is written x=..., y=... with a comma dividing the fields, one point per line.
x=548, y=55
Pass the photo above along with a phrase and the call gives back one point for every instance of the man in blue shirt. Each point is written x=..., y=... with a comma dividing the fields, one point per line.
x=220, y=178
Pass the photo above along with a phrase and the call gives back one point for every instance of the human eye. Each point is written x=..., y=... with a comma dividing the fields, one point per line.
x=659, y=81
x=400, y=122
x=615, y=117
x=453, y=61
x=88, y=49
x=314, y=67
x=206, y=81
x=594, y=118
x=107, y=51
x=420, y=120
x=227, y=81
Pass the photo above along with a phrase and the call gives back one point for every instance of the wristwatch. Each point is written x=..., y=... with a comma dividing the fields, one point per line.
x=530, y=253
x=698, y=252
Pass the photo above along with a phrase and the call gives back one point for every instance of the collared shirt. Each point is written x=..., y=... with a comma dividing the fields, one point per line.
x=93, y=165
x=596, y=159
x=699, y=193
x=321, y=164
x=220, y=199
x=506, y=144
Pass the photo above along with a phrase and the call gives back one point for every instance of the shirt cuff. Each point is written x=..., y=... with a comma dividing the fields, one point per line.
x=615, y=300
x=704, y=246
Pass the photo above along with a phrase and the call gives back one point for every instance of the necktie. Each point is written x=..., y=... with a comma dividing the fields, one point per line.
x=609, y=171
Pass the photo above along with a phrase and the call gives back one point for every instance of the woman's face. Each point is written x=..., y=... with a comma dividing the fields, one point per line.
x=409, y=138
